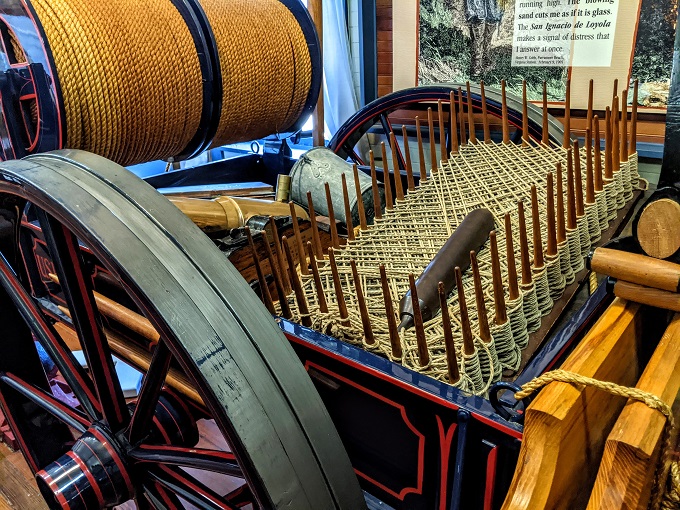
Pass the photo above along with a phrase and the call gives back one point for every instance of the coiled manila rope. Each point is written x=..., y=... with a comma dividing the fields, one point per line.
x=266, y=67
x=130, y=80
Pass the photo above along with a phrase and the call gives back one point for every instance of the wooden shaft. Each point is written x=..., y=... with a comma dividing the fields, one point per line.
x=527, y=277
x=545, y=138
x=363, y=224
x=442, y=131
x=278, y=281
x=624, y=126
x=635, y=268
x=389, y=200
x=471, y=115
x=484, y=331
x=485, y=116
x=504, y=114
x=615, y=91
x=297, y=286
x=510, y=254
x=395, y=341
x=377, y=205
x=608, y=162
x=453, y=127
x=315, y=8
x=633, y=120
x=433, y=144
x=525, y=115
x=407, y=157
x=561, y=227
x=340, y=296
x=461, y=117
x=348, y=209
x=566, y=142
x=551, y=248
x=498, y=293
x=590, y=186
x=421, y=152
x=647, y=296
x=423, y=352
x=398, y=185
x=578, y=180
x=264, y=287
x=468, y=339
x=597, y=175
x=320, y=294
x=616, y=137
x=451, y=360
x=278, y=250
x=300, y=244
x=589, y=115
x=335, y=239
x=363, y=310
x=571, y=196
x=318, y=249
x=536, y=228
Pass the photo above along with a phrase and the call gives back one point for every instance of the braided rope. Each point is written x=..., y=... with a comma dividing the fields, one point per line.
x=618, y=183
x=583, y=234
x=634, y=172
x=636, y=394
x=593, y=222
x=545, y=302
x=626, y=181
x=610, y=189
x=518, y=321
x=574, y=242
x=531, y=311
x=556, y=280
x=565, y=262
x=601, y=203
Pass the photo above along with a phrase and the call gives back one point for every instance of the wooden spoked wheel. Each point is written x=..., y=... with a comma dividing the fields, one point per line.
x=401, y=107
x=97, y=450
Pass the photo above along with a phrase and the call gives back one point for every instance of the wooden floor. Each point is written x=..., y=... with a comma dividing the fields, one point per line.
x=18, y=490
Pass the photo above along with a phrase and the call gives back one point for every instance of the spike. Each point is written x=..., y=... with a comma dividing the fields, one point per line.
x=298, y=239
x=264, y=287
x=433, y=143
x=471, y=116
x=377, y=205
x=335, y=240
x=567, y=117
x=340, y=296
x=616, y=137
x=348, y=209
x=561, y=227
x=442, y=131
x=320, y=295
x=468, y=340
x=421, y=152
x=398, y=185
x=386, y=179
x=360, y=199
x=484, y=332
x=597, y=175
x=498, y=293
x=453, y=126
x=407, y=156
x=633, y=120
x=485, y=116
x=571, y=196
x=278, y=280
x=278, y=250
x=461, y=117
x=363, y=310
x=590, y=187
x=423, y=352
x=527, y=277
x=608, y=162
x=318, y=249
x=616, y=89
x=536, y=227
x=297, y=286
x=578, y=180
x=589, y=114
x=510, y=254
x=395, y=341
x=504, y=114
x=525, y=115
x=624, y=126
x=545, y=139
x=551, y=249
x=451, y=360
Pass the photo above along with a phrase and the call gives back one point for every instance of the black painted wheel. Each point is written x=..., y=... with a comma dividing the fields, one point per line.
x=95, y=449
x=380, y=115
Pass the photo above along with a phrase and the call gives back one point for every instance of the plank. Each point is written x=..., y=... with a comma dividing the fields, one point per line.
x=17, y=487
x=566, y=426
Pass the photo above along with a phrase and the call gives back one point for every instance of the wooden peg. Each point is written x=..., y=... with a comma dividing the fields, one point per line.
x=453, y=126
x=597, y=173
x=407, y=156
x=566, y=142
x=578, y=180
x=335, y=239
x=461, y=117
x=485, y=116
x=377, y=205
x=510, y=254
x=559, y=191
x=545, y=139
x=571, y=195
x=633, y=121
x=363, y=224
x=616, y=137
x=278, y=279
x=264, y=287
x=536, y=227
x=389, y=201
x=624, y=126
x=551, y=249
x=590, y=183
x=433, y=144
x=615, y=92
x=608, y=163
x=442, y=131
x=298, y=240
x=320, y=294
x=451, y=360
x=318, y=249
x=395, y=341
x=423, y=352
x=297, y=286
x=504, y=114
x=484, y=332
x=340, y=296
x=471, y=116
x=527, y=277
x=421, y=152
x=468, y=339
x=348, y=209
x=398, y=185
x=589, y=114
x=278, y=250
x=525, y=115
x=498, y=293
x=363, y=310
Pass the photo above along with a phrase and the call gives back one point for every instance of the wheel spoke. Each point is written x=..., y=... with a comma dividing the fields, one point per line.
x=46, y=401
x=241, y=496
x=198, y=458
x=160, y=498
x=187, y=487
x=387, y=127
x=77, y=288
x=61, y=355
x=353, y=154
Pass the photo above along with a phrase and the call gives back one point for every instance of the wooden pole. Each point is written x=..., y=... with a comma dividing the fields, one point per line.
x=316, y=12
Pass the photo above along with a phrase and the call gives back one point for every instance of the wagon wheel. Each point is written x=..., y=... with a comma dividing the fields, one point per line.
x=99, y=450
x=379, y=115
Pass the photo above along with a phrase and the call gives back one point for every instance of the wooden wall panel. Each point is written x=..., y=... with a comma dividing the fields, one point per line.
x=384, y=37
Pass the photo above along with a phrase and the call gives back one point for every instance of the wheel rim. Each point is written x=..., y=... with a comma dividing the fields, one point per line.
x=280, y=461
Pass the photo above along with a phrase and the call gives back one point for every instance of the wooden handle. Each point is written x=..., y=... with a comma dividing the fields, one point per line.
x=634, y=268
x=647, y=295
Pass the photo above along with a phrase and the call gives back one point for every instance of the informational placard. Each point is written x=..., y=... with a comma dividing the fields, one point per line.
x=578, y=33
